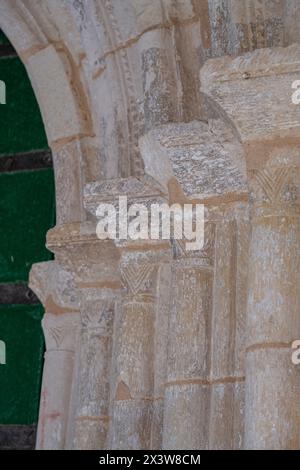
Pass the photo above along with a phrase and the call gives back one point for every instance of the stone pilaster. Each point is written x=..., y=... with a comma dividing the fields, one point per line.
x=55, y=289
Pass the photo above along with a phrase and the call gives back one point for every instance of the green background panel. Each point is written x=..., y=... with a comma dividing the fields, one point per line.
x=21, y=126
x=20, y=329
x=3, y=38
x=26, y=213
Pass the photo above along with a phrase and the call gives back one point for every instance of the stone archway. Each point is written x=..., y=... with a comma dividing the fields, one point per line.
x=59, y=93
x=125, y=115
x=26, y=179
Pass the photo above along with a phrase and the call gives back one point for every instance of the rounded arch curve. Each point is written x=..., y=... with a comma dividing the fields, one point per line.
x=60, y=93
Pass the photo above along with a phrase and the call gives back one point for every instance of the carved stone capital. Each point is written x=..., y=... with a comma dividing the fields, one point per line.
x=99, y=317
x=275, y=189
x=197, y=258
x=54, y=286
x=61, y=331
x=196, y=161
x=93, y=262
x=139, y=279
x=139, y=267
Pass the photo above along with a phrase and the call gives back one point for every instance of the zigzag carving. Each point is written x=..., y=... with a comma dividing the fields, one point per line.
x=57, y=334
x=272, y=182
x=136, y=276
x=126, y=83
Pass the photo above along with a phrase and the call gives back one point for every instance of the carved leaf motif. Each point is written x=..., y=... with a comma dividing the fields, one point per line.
x=60, y=332
x=136, y=276
x=101, y=316
x=271, y=182
x=57, y=334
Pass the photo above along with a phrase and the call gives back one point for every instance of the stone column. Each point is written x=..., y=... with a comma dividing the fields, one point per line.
x=227, y=376
x=256, y=94
x=54, y=287
x=205, y=384
x=94, y=264
x=133, y=378
x=186, y=404
x=60, y=335
x=272, y=381
x=136, y=407
x=92, y=419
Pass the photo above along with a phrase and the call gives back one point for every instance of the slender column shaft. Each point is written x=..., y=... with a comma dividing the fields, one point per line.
x=272, y=381
x=187, y=389
x=92, y=401
x=227, y=376
x=61, y=340
x=134, y=398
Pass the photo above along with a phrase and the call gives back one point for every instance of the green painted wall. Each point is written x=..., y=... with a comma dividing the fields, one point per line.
x=3, y=38
x=21, y=127
x=26, y=213
x=20, y=329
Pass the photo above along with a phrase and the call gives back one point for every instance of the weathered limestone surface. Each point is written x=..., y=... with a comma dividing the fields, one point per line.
x=54, y=287
x=270, y=132
x=138, y=391
x=187, y=385
x=149, y=346
x=272, y=412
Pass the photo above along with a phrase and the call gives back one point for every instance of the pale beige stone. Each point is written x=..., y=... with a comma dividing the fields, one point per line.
x=149, y=346
x=50, y=77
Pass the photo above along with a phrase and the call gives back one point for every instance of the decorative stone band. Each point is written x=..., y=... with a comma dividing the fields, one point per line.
x=268, y=345
x=201, y=381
